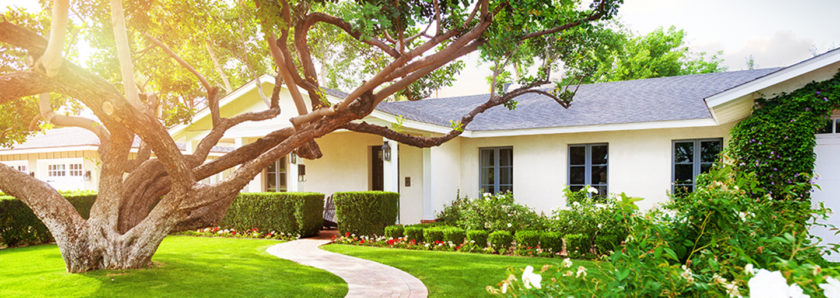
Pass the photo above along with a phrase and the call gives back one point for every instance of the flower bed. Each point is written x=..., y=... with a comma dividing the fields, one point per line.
x=233, y=233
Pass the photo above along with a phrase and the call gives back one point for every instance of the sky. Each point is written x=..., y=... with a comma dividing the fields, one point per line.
x=774, y=32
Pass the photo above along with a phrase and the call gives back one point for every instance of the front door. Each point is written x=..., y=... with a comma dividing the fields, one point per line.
x=376, y=176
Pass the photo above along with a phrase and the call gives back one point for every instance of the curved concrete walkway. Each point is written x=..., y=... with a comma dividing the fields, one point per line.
x=364, y=278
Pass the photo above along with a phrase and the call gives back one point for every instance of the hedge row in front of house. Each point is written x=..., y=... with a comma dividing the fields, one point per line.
x=20, y=226
x=281, y=212
x=365, y=212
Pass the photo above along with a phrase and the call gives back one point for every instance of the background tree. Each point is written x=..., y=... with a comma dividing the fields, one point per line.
x=134, y=91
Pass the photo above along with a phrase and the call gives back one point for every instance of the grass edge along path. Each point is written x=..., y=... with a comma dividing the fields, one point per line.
x=452, y=274
x=184, y=266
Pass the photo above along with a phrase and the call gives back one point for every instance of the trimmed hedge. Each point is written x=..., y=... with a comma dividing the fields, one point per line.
x=479, y=236
x=395, y=231
x=576, y=243
x=286, y=212
x=454, y=235
x=500, y=241
x=434, y=234
x=19, y=225
x=551, y=241
x=527, y=238
x=414, y=233
x=365, y=212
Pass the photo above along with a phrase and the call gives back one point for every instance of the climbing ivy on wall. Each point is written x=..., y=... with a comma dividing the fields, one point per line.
x=776, y=143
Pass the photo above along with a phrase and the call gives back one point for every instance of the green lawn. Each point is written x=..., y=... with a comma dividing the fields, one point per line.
x=187, y=267
x=451, y=274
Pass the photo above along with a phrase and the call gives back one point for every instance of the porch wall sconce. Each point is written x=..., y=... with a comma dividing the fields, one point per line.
x=293, y=158
x=386, y=151
x=87, y=176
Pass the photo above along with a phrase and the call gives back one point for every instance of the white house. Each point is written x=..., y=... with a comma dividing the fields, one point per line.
x=641, y=137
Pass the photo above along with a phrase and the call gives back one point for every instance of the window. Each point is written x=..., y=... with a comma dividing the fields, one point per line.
x=275, y=176
x=75, y=169
x=588, y=166
x=56, y=170
x=832, y=126
x=691, y=158
x=495, y=169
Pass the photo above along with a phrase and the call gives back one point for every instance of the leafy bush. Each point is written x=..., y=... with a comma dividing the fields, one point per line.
x=414, y=233
x=433, y=234
x=527, y=238
x=498, y=212
x=454, y=235
x=451, y=213
x=551, y=241
x=606, y=243
x=366, y=212
x=395, y=231
x=479, y=236
x=576, y=244
x=500, y=241
x=20, y=226
x=283, y=212
x=595, y=220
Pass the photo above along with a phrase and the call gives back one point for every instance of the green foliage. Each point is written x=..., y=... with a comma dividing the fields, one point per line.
x=433, y=235
x=576, y=244
x=500, y=241
x=527, y=238
x=289, y=213
x=454, y=235
x=592, y=216
x=551, y=241
x=366, y=212
x=20, y=226
x=478, y=236
x=777, y=141
x=451, y=212
x=498, y=212
x=395, y=231
x=414, y=233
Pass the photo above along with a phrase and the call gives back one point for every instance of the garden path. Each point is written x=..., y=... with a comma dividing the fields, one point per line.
x=364, y=278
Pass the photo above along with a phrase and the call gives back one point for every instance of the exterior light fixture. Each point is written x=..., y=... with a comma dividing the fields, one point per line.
x=293, y=158
x=386, y=151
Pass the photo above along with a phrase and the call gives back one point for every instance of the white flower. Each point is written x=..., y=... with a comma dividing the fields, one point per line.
x=567, y=263
x=831, y=287
x=575, y=204
x=732, y=289
x=600, y=206
x=768, y=284
x=794, y=291
x=529, y=278
x=487, y=195
x=749, y=269
x=509, y=225
x=581, y=271
x=504, y=287
x=592, y=190
x=599, y=226
x=743, y=216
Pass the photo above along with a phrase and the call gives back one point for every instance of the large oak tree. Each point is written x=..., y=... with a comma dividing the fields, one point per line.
x=210, y=46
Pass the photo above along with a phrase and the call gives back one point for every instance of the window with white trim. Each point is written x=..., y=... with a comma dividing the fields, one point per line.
x=56, y=170
x=588, y=165
x=691, y=158
x=275, y=176
x=831, y=126
x=75, y=170
x=495, y=169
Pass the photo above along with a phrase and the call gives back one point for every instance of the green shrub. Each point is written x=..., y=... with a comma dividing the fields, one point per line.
x=454, y=235
x=19, y=225
x=576, y=244
x=500, y=241
x=414, y=233
x=479, y=236
x=365, y=212
x=499, y=212
x=525, y=239
x=286, y=212
x=551, y=241
x=433, y=234
x=395, y=231
x=606, y=243
x=451, y=212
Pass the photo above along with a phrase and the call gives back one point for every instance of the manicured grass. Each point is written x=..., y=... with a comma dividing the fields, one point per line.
x=186, y=267
x=452, y=274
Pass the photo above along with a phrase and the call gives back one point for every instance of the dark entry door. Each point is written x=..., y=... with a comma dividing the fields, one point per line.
x=376, y=175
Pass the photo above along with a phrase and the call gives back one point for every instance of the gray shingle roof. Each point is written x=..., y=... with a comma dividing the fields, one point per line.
x=647, y=100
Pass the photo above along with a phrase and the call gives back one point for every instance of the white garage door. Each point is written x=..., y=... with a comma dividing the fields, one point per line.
x=827, y=169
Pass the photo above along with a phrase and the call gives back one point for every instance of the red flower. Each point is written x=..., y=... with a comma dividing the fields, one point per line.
x=233, y=232
x=347, y=234
x=333, y=238
x=362, y=241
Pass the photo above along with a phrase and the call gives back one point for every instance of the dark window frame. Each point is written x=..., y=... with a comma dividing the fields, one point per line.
x=497, y=167
x=696, y=162
x=587, y=165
